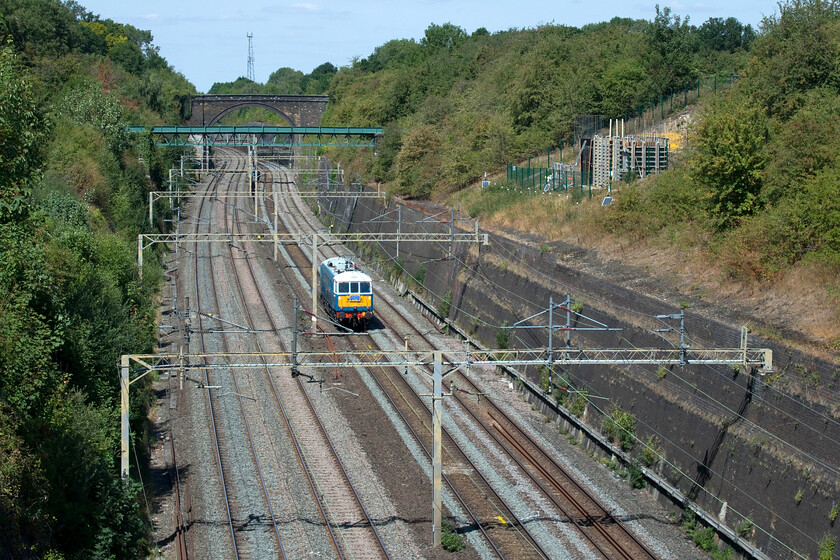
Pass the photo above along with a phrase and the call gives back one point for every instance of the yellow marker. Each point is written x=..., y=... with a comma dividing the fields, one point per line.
x=499, y=517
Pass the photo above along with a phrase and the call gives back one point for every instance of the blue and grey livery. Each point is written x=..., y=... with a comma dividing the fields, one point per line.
x=346, y=292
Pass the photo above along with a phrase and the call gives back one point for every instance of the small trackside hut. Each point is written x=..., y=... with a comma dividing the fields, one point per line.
x=346, y=292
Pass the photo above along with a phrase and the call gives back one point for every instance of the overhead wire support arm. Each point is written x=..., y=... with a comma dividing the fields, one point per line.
x=683, y=346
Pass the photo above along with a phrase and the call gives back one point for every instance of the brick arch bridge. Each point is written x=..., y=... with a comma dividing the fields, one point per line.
x=298, y=110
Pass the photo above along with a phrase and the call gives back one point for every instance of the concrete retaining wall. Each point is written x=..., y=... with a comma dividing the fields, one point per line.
x=767, y=445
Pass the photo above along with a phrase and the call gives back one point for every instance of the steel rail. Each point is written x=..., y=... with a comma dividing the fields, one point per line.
x=313, y=411
x=589, y=520
x=181, y=552
x=332, y=447
x=303, y=462
x=212, y=414
x=489, y=490
x=606, y=535
x=253, y=446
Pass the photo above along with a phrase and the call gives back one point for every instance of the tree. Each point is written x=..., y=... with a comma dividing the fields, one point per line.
x=672, y=46
x=798, y=51
x=285, y=81
x=446, y=36
x=730, y=159
x=21, y=133
x=128, y=55
x=717, y=34
x=318, y=81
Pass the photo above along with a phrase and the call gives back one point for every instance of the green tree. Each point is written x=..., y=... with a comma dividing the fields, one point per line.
x=129, y=56
x=730, y=158
x=318, y=81
x=447, y=36
x=285, y=81
x=718, y=34
x=21, y=134
x=671, y=43
x=798, y=51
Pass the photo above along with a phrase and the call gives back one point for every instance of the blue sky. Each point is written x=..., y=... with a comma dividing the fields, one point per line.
x=207, y=40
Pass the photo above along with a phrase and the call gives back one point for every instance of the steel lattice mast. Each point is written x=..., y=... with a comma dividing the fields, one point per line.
x=250, y=74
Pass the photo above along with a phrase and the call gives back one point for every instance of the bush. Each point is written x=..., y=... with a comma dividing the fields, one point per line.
x=577, y=402
x=620, y=426
x=651, y=452
x=637, y=476
x=450, y=540
x=826, y=550
x=502, y=338
x=445, y=304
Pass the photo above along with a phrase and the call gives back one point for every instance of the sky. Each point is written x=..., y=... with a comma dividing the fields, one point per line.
x=207, y=40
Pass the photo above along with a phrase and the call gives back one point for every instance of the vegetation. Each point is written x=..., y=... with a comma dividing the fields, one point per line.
x=445, y=304
x=761, y=183
x=450, y=540
x=620, y=426
x=651, y=452
x=502, y=338
x=754, y=193
x=826, y=547
x=455, y=105
x=636, y=475
x=72, y=193
x=704, y=537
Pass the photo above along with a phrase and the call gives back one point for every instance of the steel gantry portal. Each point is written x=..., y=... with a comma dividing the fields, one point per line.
x=435, y=360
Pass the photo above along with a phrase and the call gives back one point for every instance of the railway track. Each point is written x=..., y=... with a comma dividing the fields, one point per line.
x=343, y=519
x=234, y=482
x=608, y=537
x=349, y=529
x=493, y=518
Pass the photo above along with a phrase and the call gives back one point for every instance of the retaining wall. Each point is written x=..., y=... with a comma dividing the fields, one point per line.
x=768, y=445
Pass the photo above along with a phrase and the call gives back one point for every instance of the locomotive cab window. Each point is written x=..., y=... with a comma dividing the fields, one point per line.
x=364, y=287
x=354, y=287
x=343, y=288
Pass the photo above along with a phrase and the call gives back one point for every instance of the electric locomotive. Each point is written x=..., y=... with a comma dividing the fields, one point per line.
x=346, y=292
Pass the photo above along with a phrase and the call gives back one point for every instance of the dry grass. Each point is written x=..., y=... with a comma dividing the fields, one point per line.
x=805, y=298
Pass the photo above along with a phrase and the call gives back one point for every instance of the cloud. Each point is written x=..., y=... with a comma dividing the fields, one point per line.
x=306, y=8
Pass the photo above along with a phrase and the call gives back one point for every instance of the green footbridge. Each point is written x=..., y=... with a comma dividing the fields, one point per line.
x=286, y=136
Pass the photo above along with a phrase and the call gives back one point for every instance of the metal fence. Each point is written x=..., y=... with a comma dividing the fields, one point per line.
x=559, y=178
x=648, y=118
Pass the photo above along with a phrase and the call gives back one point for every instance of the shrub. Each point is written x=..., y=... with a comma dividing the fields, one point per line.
x=745, y=527
x=637, y=476
x=445, y=304
x=450, y=540
x=502, y=338
x=651, y=451
x=620, y=426
x=827, y=544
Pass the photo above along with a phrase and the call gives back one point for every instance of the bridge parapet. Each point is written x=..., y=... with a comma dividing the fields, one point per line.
x=297, y=110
